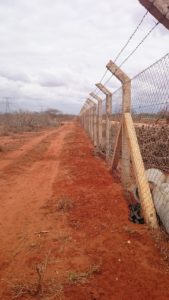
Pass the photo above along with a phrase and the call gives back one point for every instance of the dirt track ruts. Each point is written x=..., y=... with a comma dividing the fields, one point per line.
x=94, y=234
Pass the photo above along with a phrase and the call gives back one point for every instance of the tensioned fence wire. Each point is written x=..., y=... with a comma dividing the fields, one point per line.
x=128, y=41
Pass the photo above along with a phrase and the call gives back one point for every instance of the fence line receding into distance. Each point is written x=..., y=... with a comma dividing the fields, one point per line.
x=134, y=123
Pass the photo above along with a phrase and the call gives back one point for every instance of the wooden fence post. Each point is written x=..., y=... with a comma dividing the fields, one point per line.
x=108, y=115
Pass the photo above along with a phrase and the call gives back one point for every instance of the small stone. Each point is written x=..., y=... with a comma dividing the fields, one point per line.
x=128, y=242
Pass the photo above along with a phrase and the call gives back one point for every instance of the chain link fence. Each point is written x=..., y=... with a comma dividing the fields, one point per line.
x=150, y=112
x=145, y=119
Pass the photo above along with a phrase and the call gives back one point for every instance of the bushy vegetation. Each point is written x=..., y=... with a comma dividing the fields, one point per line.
x=23, y=121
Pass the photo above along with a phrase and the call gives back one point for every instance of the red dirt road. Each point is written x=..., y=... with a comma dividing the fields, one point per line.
x=63, y=213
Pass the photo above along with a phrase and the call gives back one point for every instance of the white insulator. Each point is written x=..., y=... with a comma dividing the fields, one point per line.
x=161, y=203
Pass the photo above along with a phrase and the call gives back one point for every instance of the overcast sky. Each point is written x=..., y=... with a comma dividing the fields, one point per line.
x=52, y=52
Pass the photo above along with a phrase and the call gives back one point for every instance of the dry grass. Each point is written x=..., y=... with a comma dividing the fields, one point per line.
x=129, y=230
x=20, y=289
x=51, y=289
x=64, y=204
x=61, y=204
x=162, y=243
x=81, y=277
x=40, y=288
x=22, y=121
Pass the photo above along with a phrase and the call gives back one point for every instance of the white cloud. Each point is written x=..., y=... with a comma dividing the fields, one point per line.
x=53, y=52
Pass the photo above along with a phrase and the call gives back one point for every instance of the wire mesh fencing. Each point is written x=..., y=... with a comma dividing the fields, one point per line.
x=150, y=112
x=150, y=93
x=135, y=138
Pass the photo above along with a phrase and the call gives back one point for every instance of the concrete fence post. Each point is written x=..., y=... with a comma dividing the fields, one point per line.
x=90, y=118
x=85, y=117
x=93, y=121
x=108, y=94
x=82, y=113
x=126, y=103
x=99, y=119
x=140, y=176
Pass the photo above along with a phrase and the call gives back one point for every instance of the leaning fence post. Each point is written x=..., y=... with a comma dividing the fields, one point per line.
x=126, y=103
x=108, y=114
x=99, y=120
x=139, y=172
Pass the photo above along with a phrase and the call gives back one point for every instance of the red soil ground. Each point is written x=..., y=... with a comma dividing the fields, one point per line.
x=64, y=216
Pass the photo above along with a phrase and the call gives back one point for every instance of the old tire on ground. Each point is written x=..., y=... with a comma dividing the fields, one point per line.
x=155, y=176
x=161, y=203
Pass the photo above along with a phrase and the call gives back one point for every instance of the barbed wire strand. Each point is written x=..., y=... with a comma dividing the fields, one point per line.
x=135, y=49
x=128, y=41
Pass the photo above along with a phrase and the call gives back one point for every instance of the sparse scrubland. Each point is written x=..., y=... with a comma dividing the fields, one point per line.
x=23, y=121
